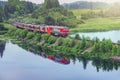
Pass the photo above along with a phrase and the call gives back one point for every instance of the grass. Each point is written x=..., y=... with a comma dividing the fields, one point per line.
x=98, y=24
x=7, y=25
x=78, y=12
x=95, y=24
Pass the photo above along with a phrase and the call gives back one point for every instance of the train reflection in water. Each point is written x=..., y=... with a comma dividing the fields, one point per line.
x=55, y=58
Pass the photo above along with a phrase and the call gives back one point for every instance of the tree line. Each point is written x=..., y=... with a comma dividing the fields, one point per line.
x=77, y=46
x=113, y=11
x=15, y=8
x=50, y=13
x=86, y=5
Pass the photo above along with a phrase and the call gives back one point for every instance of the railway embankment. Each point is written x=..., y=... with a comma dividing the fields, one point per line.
x=78, y=46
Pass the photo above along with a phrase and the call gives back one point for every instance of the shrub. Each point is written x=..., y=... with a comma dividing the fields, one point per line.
x=30, y=35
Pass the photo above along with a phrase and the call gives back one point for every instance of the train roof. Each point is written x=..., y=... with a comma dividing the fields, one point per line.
x=36, y=25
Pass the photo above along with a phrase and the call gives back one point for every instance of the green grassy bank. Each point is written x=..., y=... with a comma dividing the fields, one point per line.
x=98, y=24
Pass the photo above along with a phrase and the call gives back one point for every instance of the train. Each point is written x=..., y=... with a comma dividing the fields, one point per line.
x=62, y=31
x=55, y=58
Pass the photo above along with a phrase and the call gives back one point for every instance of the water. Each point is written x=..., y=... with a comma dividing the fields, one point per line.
x=113, y=35
x=19, y=64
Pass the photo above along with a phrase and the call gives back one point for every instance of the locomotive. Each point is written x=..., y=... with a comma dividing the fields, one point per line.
x=49, y=29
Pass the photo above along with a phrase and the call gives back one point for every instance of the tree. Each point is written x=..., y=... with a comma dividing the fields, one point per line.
x=83, y=43
x=23, y=33
x=51, y=4
x=49, y=20
x=115, y=49
x=77, y=37
x=30, y=35
x=18, y=7
x=1, y=14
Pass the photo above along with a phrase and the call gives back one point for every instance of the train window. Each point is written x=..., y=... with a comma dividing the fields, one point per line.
x=65, y=28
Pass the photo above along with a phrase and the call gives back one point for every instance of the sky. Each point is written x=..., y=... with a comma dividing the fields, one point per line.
x=69, y=1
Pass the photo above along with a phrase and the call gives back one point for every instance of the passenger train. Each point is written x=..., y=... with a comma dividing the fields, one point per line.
x=49, y=29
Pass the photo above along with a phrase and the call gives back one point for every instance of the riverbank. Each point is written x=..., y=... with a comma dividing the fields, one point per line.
x=78, y=46
x=68, y=46
x=98, y=24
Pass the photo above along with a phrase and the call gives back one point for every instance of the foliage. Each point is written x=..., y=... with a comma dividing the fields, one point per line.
x=30, y=35
x=37, y=37
x=77, y=36
x=48, y=4
x=51, y=40
x=23, y=33
x=54, y=14
x=91, y=49
x=2, y=27
x=15, y=8
x=1, y=14
x=103, y=46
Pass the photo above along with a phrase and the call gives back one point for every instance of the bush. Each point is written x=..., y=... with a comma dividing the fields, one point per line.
x=2, y=27
x=23, y=33
x=51, y=39
x=30, y=35
x=37, y=37
x=77, y=36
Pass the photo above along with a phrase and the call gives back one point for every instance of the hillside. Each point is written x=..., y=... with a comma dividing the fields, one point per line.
x=86, y=5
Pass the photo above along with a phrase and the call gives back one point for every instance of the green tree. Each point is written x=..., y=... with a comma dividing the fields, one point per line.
x=83, y=43
x=77, y=36
x=18, y=7
x=1, y=14
x=115, y=49
x=30, y=35
x=51, y=4
x=23, y=33
x=49, y=20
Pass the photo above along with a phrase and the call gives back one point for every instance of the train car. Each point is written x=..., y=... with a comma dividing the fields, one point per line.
x=55, y=58
x=59, y=59
x=53, y=30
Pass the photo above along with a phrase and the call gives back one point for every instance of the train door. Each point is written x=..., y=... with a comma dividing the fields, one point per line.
x=49, y=29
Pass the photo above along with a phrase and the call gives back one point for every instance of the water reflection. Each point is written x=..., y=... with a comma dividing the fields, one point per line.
x=2, y=47
x=99, y=64
x=105, y=65
x=34, y=63
x=46, y=53
x=55, y=58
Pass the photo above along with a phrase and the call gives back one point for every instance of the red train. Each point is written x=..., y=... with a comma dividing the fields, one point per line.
x=54, y=30
x=55, y=58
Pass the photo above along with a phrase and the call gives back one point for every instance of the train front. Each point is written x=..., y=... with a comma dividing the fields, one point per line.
x=64, y=31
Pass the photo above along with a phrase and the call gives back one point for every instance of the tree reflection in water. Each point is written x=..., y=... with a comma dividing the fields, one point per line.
x=99, y=64
x=46, y=53
x=105, y=65
x=2, y=47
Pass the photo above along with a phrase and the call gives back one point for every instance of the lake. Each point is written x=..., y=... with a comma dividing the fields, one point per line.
x=113, y=35
x=17, y=63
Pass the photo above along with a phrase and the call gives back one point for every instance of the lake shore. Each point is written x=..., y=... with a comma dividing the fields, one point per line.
x=68, y=46
x=98, y=24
